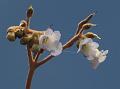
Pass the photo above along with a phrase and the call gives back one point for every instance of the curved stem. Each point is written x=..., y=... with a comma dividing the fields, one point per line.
x=29, y=78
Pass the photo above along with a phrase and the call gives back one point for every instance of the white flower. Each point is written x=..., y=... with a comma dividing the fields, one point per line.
x=91, y=51
x=50, y=41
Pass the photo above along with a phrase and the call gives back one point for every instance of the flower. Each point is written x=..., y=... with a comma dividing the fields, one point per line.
x=91, y=51
x=50, y=41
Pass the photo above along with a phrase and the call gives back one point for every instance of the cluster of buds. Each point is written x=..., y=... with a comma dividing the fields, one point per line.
x=15, y=32
x=28, y=36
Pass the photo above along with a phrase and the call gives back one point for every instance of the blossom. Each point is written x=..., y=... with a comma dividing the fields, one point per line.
x=50, y=41
x=91, y=51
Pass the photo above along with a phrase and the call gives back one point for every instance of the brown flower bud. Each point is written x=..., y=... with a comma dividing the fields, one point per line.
x=92, y=35
x=20, y=33
x=88, y=26
x=30, y=12
x=26, y=39
x=11, y=36
x=35, y=37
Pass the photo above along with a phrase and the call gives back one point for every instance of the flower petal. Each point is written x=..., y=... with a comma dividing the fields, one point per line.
x=49, y=31
x=105, y=52
x=80, y=47
x=58, y=51
x=94, y=45
x=103, y=56
x=85, y=41
x=57, y=35
x=43, y=41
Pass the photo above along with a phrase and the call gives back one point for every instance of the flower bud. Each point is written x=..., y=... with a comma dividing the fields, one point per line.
x=20, y=33
x=35, y=47
x=23, y=23
x=26, y=39
x=88, y=26
x=11, y=36
x=30, y=12
x=92, y=35
x=35, y=37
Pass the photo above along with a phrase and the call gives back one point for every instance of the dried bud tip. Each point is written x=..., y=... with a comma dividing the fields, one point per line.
x=30, y=12
x=88, y=26
x=92, y=35
x=23, y=23
x=93, y=14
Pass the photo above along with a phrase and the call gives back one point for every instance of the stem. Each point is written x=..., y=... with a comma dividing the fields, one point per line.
x=38, y=54
x=29, y=78
x=30, y=57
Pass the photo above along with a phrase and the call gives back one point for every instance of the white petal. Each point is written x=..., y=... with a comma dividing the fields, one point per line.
x=94, y=44
x=105, y=52
x=103, y=56
x=53, y=44
x=57, y=35
x=85, y=41
x=80, y=47
x=41, y=38
x=49, y=31
x=58, y=51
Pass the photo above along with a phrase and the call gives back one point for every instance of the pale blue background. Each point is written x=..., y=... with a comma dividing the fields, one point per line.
x=69, y=70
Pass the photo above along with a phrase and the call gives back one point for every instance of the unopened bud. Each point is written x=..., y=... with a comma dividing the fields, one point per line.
x=11, y=36
x=20, y=33
x=26, y=39
x=92, y=35
x=35, y=37
x=30, y=12
x=88, y=26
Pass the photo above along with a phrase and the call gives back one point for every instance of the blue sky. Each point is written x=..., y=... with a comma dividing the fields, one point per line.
x=69, y=70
